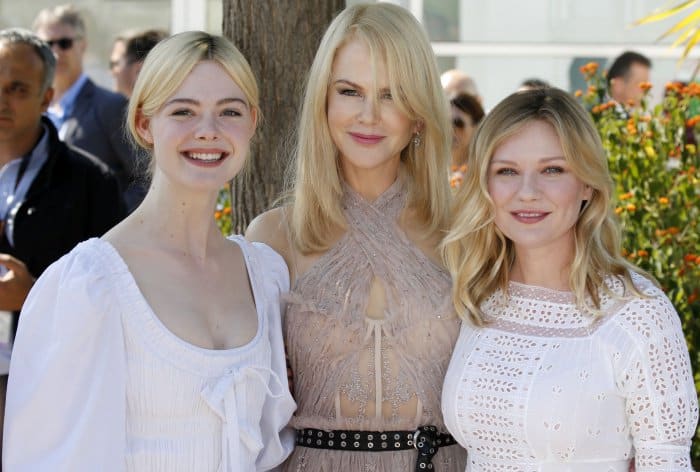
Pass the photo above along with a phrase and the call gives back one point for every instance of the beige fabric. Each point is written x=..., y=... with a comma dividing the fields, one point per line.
x=369, y=331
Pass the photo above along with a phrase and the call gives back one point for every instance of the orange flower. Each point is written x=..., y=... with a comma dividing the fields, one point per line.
x=690, y=257
x=217, y=215
x=631, y=126
x=589, y=69
x=578, y=93
x=674, y=230
x=596, y=109
x=663, y=200
x=691, y=122
x=660, y=233
x=227, y=211
x=626, y=196
x=631, y=207
x=645, y=86
x=642, y=253
x=692, y=297
x=618, y=210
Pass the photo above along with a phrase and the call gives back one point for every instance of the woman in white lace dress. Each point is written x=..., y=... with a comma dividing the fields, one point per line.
x=158, y=347
x=569, y=358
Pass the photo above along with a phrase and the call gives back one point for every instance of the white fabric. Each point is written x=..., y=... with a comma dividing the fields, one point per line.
x=546, y=388
x=98, y=383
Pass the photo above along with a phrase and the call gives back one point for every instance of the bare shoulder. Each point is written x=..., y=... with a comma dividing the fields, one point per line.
x=271, y=228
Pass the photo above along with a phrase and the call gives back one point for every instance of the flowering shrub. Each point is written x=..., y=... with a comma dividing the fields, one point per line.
x=654, y=163
x=222, y=214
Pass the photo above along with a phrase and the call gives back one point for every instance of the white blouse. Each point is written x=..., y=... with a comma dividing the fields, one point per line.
x=546, y=388
x=98, y=383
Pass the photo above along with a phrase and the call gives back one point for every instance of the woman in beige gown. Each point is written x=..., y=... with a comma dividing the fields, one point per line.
x=369, y=328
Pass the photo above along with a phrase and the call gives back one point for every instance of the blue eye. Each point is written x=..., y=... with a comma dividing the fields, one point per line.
x=349, y=92
x=554, y=170
x=182, y=112
x=231, y=112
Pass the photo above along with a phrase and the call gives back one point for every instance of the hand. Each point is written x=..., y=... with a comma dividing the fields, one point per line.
x=15, y=284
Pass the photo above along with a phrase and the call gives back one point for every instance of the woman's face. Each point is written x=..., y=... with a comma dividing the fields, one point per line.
x=366, y=125
x=462, y=130
x=201, y=134
x=537, y=197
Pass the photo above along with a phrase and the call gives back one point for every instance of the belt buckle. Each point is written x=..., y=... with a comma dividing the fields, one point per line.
x=415, y=438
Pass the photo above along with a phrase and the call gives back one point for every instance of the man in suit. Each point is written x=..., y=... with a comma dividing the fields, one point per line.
x=128, y=53
x=52, y=196
x=627, y=71
x=86, y=115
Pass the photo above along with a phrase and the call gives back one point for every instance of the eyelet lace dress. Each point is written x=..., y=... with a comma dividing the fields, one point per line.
x=355, y=371
x=547, y=388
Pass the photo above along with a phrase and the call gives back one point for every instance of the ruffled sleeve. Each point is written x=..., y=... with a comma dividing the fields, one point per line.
x=662, y=405
x=279, y=406
x=65, y=407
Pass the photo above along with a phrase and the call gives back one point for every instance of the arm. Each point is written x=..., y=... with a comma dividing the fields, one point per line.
x=662, y=405
x=15, y=284
x=278, y=409
x=271, y=228
x=65, y=408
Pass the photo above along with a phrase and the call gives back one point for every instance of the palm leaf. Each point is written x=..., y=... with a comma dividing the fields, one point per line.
x=662, y=14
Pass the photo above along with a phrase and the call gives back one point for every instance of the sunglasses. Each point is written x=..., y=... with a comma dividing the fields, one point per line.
x=62, y=43
x=458, y=123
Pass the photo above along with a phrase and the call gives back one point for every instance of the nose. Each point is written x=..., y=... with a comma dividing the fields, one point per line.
x=529, y=187
x=207, y=128
x=369, y=113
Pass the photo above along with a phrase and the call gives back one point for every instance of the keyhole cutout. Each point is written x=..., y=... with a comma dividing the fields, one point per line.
x=377, y=300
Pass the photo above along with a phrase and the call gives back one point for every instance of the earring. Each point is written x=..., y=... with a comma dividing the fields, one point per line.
x=416, y=139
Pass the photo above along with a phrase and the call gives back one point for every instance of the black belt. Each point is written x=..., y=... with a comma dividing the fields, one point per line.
x=426, y=439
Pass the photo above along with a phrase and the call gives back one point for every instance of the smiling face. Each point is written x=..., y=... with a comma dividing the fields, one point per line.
x=366, y=125
x=201, y=135
x=537, y=198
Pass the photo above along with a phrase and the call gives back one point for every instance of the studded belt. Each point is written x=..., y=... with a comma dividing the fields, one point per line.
x=426, y=439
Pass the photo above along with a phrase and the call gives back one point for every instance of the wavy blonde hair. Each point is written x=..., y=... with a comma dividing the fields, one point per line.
x=170, y=62
x=478, y=254
x=394, y=36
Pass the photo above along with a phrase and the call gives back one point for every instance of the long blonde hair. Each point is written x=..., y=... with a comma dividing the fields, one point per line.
x=478, y=254
x=393, y=35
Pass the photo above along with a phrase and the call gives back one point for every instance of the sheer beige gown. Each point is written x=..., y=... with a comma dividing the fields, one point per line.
x=370, y=366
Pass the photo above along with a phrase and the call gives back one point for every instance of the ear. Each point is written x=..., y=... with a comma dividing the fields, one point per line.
x=254, y=117
x=418, y=127
x=587, y=192
x=46, y=101
x=143, y=127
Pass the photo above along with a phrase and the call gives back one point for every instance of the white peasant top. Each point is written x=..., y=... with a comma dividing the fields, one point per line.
x=546, y=388
x=98, y=383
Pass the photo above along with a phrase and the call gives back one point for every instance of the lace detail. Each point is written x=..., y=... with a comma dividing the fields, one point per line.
x=355, y=371
x=544, y=382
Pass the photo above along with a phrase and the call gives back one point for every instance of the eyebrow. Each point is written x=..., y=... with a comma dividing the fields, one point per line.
x=358, y=86
x=544, y=159
x=191, y=101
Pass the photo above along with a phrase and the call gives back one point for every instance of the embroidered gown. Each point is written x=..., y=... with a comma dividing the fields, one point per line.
x=356, y=371
x=547, y=388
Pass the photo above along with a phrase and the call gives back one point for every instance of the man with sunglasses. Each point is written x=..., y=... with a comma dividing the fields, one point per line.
x=86, y=115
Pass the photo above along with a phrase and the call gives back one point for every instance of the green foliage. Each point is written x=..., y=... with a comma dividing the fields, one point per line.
x=654, y=163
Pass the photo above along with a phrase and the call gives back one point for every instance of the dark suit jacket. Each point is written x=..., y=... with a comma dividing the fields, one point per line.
x=74, y=197
x=96, y=125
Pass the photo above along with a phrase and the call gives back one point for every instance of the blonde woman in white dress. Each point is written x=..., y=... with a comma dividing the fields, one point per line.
x=159, y=346
x=569, y=359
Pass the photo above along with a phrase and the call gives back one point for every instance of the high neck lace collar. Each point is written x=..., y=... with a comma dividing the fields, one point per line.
x=387, y=205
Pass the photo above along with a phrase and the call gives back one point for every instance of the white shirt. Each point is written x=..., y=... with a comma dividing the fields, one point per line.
x=547, y=388
x=98, y=383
